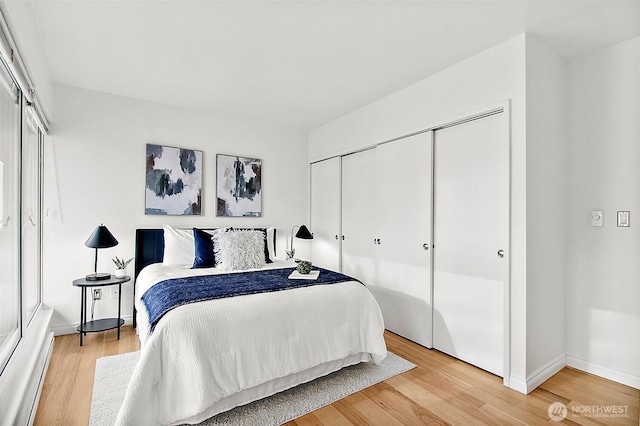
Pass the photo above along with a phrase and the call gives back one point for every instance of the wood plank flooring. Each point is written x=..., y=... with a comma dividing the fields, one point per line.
x=68, y=385
x=441, y=390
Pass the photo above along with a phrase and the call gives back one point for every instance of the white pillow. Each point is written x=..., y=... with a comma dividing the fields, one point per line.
x=179, y=247
x=270, y=244
x=241, y=249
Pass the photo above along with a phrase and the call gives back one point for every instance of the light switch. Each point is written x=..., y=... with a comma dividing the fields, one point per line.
x=623, y=219
x=597, y=218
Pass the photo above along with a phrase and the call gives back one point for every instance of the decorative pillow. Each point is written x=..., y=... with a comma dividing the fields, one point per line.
x=178, y=246
x=267, y=254
x=204, y=256
x=271, y=243
x=239, y=249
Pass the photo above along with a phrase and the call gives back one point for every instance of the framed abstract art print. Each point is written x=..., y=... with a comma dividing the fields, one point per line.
x=238, y=186
x=173, y=181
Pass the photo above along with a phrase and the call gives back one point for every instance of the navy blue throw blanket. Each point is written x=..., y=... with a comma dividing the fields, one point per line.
x=174, y=292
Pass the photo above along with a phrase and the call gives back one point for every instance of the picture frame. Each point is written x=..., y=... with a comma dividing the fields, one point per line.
x=238, y=186
x=173, y=181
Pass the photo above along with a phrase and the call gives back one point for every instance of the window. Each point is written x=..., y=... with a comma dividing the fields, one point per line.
x=10, y=216
x=31, y=215
x=21, y=144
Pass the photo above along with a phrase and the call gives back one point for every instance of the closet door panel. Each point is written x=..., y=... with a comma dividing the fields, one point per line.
x=403, y=272
x=470, y=228
x=325, y=213
x=358, y=215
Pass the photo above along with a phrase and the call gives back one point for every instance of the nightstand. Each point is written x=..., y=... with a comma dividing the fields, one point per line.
x=101, y=324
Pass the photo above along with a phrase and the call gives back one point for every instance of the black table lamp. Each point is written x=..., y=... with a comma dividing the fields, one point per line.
x=101, y=238
x=303, y=233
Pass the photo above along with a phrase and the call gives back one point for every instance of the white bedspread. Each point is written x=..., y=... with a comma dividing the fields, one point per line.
x=204, y=352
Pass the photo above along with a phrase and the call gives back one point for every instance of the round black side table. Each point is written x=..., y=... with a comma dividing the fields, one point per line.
x=101, y=324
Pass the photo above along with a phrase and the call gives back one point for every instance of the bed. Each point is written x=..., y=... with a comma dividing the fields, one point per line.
x=203, y=358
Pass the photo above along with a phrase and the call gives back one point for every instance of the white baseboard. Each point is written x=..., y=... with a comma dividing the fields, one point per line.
x=545, y=373
x=518, y=384
x=538, y=377
x=60, y=330
x=605, y=372
x=534, y=380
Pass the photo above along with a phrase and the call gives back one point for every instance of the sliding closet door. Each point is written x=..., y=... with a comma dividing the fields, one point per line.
x=325, y=213
x=471, y=225
x=403, y=236
x=358, y=215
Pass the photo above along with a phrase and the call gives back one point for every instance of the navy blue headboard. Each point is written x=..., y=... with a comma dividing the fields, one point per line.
x=149, y=248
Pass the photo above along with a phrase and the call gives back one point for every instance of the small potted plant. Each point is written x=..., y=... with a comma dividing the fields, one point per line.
x=290, y=253
x=121, y=266
x=304, y=267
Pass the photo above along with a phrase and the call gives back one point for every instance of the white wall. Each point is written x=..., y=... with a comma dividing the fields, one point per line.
x=19, y=15
x=491, y=77
x=99, y=150
x=546, y=211
x=603, y=270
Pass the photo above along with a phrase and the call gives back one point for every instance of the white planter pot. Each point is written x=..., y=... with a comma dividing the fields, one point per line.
x=121, y=273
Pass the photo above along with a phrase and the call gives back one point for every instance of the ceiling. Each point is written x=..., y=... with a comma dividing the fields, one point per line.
x=298, y=64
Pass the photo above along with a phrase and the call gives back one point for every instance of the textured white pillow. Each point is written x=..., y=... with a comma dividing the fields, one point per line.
x=179, y=247
x=241, y=249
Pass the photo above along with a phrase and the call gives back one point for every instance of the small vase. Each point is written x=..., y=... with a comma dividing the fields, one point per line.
x=121, y=273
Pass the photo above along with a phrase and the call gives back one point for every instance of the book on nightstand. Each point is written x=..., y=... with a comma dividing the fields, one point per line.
x=295, y=275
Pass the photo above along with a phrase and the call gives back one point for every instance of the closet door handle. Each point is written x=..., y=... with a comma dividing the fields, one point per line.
x=500, y=254
x=336, y=236
x=425, y=246
x=378, y=241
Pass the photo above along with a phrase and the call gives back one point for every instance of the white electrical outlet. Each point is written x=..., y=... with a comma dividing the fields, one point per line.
x=114, y=293
x=97, y=294
x=623, y=219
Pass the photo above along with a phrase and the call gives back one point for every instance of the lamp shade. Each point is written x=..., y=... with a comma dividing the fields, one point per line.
x=101, y=238
x=304, y=233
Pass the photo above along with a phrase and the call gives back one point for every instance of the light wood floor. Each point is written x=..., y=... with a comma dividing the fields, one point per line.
x=441, y=390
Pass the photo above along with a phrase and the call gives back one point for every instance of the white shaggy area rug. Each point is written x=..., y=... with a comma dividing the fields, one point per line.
x=113, y=373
